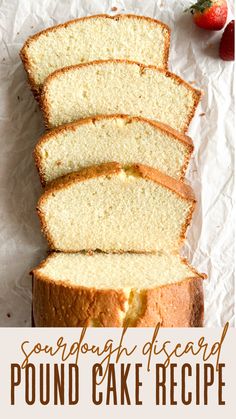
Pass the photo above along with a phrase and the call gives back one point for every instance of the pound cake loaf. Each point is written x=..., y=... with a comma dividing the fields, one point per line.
x=106, y=138
x=118, y=86
x=111, y=290
x=115, y=209
x=136, y=38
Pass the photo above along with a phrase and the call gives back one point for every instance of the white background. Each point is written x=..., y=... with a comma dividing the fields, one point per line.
x=194, y=56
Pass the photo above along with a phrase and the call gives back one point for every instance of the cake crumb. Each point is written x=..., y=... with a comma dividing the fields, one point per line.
x=114, y=9
x=202, y=114
x=90, y=252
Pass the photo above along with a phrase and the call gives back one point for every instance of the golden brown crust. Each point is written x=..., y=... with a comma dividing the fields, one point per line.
x=105, y=169
x=180, y=188
x=26, y=63
x=36, y=89
x=60, y=304
x=176, y=305
x=176, y=135
x=197, y=94
x=113, y=168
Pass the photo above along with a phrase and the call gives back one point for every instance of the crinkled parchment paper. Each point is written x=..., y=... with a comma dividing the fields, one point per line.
x=194, y=56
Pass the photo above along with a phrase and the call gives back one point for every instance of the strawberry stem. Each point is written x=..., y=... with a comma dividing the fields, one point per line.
x=200, y=6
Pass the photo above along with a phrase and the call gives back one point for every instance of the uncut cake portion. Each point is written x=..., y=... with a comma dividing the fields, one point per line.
x=118, y=86
x=112, y=138
x=116, y=209
x=114, y=290
x=92, y=38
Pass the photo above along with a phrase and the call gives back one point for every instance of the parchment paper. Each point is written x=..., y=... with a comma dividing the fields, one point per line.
x=193, y=56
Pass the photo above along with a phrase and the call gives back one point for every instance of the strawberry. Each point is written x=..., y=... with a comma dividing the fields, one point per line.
x=227, y=43
x=210, y=14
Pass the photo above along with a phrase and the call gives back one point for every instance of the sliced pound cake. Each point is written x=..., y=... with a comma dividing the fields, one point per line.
x=110, y=290
x=118, y=86
x=116, y=209
x=92, y=38
x=105, y=138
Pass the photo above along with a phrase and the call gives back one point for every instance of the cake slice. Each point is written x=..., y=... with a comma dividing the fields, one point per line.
x=111, y=290
x=115, y=209
x=91, y=38
x=112, y=138
x=118, y=86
